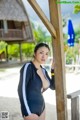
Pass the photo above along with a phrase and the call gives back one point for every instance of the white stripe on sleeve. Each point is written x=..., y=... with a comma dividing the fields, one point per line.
x=23, y=89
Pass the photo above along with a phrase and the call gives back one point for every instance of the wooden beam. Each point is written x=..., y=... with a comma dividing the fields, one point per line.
x=41, y=14
x=58, y=52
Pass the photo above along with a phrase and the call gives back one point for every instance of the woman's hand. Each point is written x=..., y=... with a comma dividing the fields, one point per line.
x=32, y=117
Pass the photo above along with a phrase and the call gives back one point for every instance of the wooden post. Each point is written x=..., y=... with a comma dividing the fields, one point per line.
x=20, y=49
x=7, y=59
x=43, y=17
x=58, y=52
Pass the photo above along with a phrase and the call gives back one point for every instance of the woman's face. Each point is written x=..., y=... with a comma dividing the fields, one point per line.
x=41, y=55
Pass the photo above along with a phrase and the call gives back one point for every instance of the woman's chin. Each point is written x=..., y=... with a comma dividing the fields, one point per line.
x=43, y=62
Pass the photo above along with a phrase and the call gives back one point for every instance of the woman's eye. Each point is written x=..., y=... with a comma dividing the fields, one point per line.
x=41, y=52
x=46, y=53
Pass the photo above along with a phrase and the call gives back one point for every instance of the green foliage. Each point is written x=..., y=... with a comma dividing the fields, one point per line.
x=13, y=50
x=71, y=54
x=76, y=9
x=2, y=46
x=40, y=35
x=64, y=22
x=36, y=35
x=27, y=49
x=77, y=35
x=33, y=26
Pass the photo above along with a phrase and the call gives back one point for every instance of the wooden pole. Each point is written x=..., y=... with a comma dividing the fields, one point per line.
x=20, y=49
x=41, y=14
x=7, y=59
x=58, y=52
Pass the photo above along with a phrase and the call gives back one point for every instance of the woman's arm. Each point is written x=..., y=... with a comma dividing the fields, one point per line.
x=24, y=79
x=25, y=76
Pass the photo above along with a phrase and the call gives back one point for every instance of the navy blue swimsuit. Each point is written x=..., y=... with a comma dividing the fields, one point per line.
x=29, y=89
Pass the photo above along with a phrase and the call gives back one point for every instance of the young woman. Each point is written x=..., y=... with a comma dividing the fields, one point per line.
x=34, y=80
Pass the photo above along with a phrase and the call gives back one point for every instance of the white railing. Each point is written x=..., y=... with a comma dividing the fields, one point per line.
x=74, y=104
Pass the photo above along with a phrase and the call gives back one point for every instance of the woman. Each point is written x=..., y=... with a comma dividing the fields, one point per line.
x=34, y=80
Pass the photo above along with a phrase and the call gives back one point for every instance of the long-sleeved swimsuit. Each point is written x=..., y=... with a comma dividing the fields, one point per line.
x=29, y=89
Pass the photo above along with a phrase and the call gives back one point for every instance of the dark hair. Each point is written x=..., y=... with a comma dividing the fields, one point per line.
x=41, y=45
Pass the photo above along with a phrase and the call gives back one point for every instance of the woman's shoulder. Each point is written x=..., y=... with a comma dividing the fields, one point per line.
x=26, y=65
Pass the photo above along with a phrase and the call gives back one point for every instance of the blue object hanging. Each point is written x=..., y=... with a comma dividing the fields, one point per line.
x=71, y=34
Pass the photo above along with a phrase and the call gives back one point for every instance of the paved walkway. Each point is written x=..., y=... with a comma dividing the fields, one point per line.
x=9, y=101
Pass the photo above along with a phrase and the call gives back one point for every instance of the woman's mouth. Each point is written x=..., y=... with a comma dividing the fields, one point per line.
x=43, y=60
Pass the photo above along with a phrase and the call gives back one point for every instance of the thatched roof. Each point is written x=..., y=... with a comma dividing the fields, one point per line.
x=15, y=10
x=12, y=10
